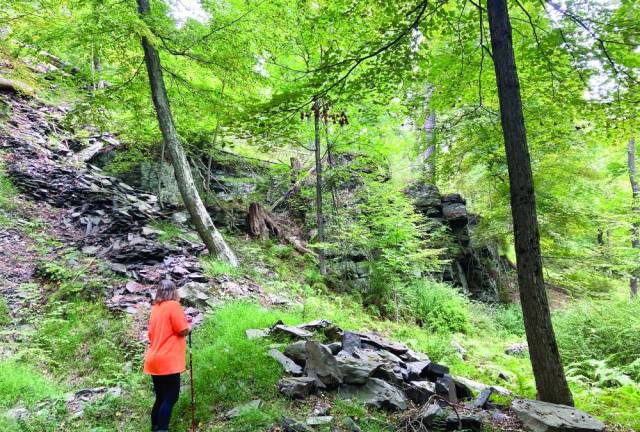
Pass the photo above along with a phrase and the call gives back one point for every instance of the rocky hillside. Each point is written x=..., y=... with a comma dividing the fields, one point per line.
x=117, y=228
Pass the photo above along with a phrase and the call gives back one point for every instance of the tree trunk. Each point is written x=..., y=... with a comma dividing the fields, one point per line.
x=319, y=213
x=160, y=167
x=430, y=153
x=256, y=221
x=207, y=186
x=551, y=383
x=635, y=212
x=207, y=231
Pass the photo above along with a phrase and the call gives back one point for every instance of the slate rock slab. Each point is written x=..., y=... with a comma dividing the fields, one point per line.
x=467, y=422
x=297, y=387
x=256, y=333
x=420, y=391
x=446, y=387
x=435, y=371
x=351, y=342
x=315, y=325
x=289, y=365
x=291, y=331
x=291, y=425
x=322, y=365
x=319, y=420
x=383, y=344
x=538, y=416
x=297, y=352
x=389, y=373
x=355, y=371
x=417, y=370
x=376, y=393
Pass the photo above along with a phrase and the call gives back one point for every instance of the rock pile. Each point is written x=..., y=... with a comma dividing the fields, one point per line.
x=388, y=375
x=364, y=366
x=102, y=215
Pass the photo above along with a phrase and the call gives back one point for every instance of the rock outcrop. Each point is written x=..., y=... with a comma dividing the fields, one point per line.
x=477, y=268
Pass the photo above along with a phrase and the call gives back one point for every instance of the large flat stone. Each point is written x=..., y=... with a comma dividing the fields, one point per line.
x=376, y=393
x=355, y=371
x=538, y=416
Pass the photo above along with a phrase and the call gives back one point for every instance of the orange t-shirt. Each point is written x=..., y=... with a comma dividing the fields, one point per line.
x=165, y=355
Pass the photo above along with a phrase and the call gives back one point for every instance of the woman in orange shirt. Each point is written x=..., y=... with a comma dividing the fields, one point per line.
x=164, y=360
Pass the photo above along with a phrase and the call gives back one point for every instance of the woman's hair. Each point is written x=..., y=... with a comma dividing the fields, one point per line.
x=166, y=290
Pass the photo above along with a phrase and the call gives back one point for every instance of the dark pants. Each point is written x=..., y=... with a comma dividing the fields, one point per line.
x=167, y=389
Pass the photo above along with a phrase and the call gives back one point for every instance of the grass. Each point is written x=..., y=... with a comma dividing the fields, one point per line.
x=170, y=232
x=22, y=384
x=5, y=317
x=83, y=340
x=8, y=201
x=214, y=267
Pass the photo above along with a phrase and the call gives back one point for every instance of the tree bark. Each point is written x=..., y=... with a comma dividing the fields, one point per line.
x=319, y=213
x=635, y=212
x=551, y=383
x=256, y=221
x=207, y=186
x=429, y=129
x=207, y=231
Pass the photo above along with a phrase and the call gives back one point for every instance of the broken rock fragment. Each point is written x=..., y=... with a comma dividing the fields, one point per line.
x=446, y=387
x=289, y=365
x=420, y=391
x=291, y=331
x=297, y=352
x=355, y=371
x=351, y=342
x=538, y=416
x=322, y=365
x=297, y=387
x=376, y=393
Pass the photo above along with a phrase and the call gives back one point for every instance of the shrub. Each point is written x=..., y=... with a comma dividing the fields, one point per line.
x=441, y=308
x=508, y=319
x=600, y=330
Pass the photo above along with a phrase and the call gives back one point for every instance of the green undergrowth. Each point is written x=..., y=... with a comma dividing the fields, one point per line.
x=24, y=385
x=8, y=200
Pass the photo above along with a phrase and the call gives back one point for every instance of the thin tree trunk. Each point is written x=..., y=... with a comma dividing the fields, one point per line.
x=551, y=383
x=207, y=231
x=319, y=213
x=331, y=162
x=207, y=187
x=98, y=82
x=430, y=153
x=160, y=164
x=635, y=212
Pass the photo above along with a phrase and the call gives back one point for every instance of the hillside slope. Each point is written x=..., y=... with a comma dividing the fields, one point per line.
x=81, y=251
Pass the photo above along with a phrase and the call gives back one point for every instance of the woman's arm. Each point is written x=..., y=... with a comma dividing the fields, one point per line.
x=179, y=321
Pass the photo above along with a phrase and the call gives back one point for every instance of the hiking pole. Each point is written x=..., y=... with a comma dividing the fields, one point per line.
x=193, y=391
